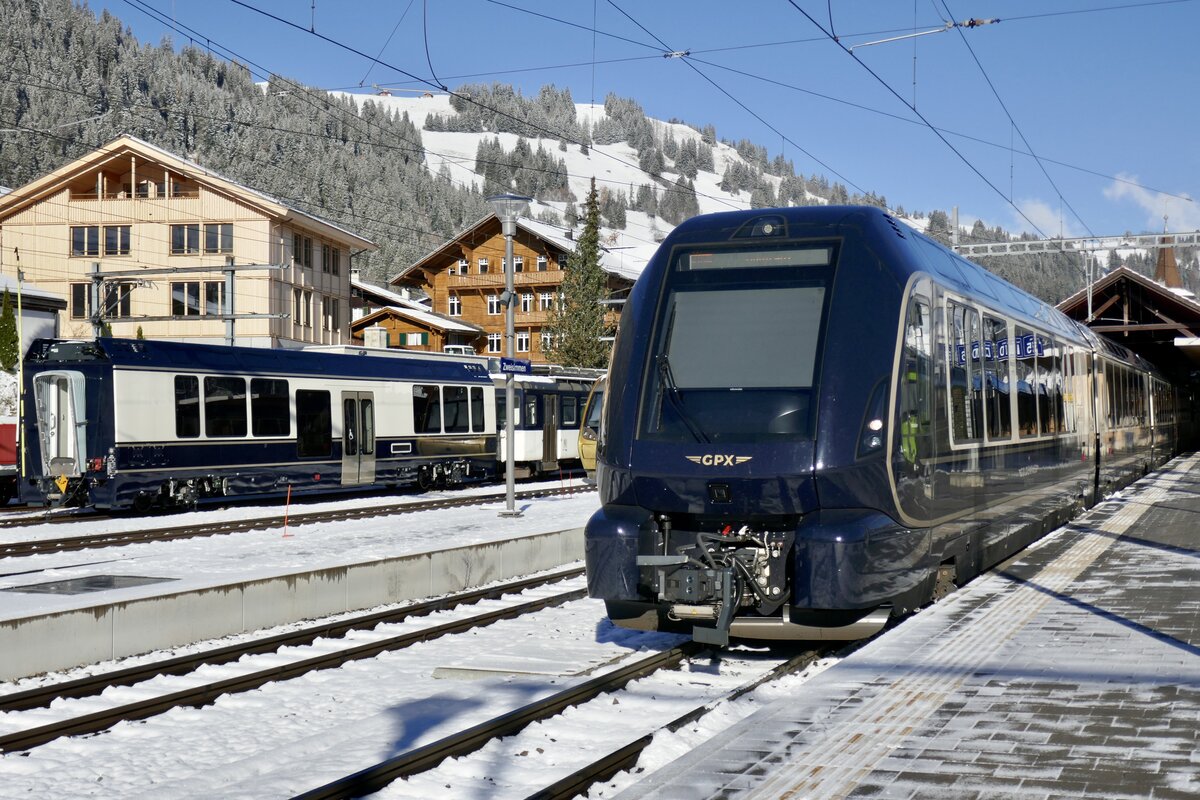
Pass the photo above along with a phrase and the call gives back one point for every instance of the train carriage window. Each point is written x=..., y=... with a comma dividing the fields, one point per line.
x=224, y=406
x=477, y=412
x=314, y=424
x=427, y=409
x=964, y=415
x=349, y=427
x=269, y=407
x=1024, y=351
x=455, y=409
x=999, y=411
x=977, y=385
x=1110, y=394
x=570, y=411
x=913, y=429
x=367, y=411
x=1048, y=390
x=187, y=406
x=531, y=410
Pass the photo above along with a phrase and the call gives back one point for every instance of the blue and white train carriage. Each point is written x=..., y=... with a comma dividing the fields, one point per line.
x=546, y=421
x=130, y=423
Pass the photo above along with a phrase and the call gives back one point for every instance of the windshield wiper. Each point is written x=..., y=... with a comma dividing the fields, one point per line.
x=667, y=383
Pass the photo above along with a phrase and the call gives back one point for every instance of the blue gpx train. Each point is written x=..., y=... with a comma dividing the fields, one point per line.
x=135, y=424
x=819, y=419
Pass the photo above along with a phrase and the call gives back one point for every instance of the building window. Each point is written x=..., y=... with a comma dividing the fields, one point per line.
x=494, y=305
x=85, y=240
x=527, y=302
x=308, y=304
x=116, y=240
x=546, y=301
x=116, y=300
x=297, y=303
x=414, y=339
x=185, y=299
x=542, y=264
x=331, y=259
x=493, y=343
x=518, y=263
x=302, y=247
x=454, y=305
x=545, y=341
x=483, y=266
x=214, y=297
x=218, y=237
x=185, y=239
x=464, y=267
x=329, y=313
x=522, y=341
x=81, y=300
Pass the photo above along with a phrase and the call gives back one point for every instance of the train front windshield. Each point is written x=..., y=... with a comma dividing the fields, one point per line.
x=736, y=353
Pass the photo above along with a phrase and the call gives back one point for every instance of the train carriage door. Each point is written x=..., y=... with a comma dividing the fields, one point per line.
x=61, y=421
x=550, y=429
x=358, y=438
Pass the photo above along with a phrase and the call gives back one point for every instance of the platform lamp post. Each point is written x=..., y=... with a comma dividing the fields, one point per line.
x=508, y=207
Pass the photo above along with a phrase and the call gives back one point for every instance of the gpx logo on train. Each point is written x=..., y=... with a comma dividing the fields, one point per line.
x=718, y=460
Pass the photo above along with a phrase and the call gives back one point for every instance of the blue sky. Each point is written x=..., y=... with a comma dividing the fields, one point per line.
x=1102, y=91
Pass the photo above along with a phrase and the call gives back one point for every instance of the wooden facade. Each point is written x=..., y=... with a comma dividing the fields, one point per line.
x=153, y=224
x=422, y=331
x=465, y=279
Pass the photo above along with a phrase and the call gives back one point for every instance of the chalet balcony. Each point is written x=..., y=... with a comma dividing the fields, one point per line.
x=495, y=280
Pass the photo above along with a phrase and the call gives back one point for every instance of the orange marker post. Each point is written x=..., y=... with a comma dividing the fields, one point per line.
x=287, y=504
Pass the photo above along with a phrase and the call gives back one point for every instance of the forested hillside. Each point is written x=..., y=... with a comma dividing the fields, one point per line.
x=70, y=81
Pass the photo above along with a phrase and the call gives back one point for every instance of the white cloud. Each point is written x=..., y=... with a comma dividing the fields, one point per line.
x=1053, y=224
x=1182, y=214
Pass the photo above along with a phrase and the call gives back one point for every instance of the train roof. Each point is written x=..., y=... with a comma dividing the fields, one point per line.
x=919, y=253
x=184, y=356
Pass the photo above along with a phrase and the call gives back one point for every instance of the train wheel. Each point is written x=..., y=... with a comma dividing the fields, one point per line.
x=424, y=479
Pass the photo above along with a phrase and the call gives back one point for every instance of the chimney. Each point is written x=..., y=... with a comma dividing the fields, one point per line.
x=1166, y=271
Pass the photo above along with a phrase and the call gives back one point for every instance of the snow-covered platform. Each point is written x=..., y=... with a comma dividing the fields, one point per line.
x=1072, y=671
x=70, y=609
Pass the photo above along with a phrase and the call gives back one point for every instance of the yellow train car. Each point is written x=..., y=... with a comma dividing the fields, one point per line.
x=589, y=431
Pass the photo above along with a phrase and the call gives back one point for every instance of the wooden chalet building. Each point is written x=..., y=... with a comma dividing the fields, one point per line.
x=388, y=319
x=464, y=279
x=168, y=238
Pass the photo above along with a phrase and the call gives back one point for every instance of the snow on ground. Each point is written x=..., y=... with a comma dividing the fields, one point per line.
x=224, y=558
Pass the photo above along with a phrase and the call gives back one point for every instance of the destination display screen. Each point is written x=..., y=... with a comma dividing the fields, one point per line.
x=758, y=258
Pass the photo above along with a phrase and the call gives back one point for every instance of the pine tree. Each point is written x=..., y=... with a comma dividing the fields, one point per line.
x=578, y=323
x=10, y=347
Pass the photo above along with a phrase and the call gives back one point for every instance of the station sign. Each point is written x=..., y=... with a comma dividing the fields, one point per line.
x=517, y=366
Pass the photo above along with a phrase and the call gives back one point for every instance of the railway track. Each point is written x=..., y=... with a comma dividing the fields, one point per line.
x=470, y=740
x=119, y=538
x=206, y=693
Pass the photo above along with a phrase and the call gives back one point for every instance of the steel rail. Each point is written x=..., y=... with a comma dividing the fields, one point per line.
x=624, y=758
x=374, y=778
x=121, y=538
x=42, y=696
x=203, y=695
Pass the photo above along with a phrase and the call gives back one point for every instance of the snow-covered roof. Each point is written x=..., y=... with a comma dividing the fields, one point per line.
x=393, y=298
x=423, y=316
x=30, y=292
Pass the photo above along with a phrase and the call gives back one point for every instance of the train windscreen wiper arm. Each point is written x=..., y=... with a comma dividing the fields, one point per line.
x=672, y=391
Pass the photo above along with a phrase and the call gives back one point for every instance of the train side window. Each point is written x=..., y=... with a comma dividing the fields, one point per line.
x=427, y=409
x=1047, y=390
x=367, y=411
x=570, y=411
x=314, y=424
x=350, y=427
x=455, y=409
x=224, y=406
x=963, y=412
x=976, y=387
x=269, y=407
x=531, y=410
x=477, y=413
x=1110, y=393
x=913, y=429
x=1025, y=346
x=995, y=346
x=187, y=406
